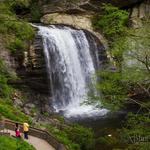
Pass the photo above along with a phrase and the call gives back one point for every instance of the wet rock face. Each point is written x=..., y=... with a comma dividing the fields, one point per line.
x=99, y=57
x=118, y=3
x=77, y=21
x=81, y=6
x=139, y=12
x=33, y=71
x=33, y=80
x=9, y=61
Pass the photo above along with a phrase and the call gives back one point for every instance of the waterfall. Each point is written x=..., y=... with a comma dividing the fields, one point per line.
x=70, y=68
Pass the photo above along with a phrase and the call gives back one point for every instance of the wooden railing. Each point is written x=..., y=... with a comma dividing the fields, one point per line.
x=42, y=134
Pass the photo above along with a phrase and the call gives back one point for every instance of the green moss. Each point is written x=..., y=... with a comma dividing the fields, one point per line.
x=112, y=21
x=16, y=32
x=35, y=12
x=127, y=82
x=16, y=46
x=75, y=137
x=19, y=3
x=5, y=89
x=82, y=136
x=9, y=143
x=8, y=111
x=6, y=106
x=62, y=137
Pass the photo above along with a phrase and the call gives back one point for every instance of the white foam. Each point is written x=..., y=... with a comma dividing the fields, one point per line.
x=72, y=69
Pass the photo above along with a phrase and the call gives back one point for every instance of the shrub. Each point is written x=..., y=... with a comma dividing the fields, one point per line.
x=10, y=112
x=16, y=46
x=75, y=137
x=113, y=20
x=62, y=137
x=7, y=143
x=84, y=137
x=5, y=89
x=17, y=32
x=35, y=12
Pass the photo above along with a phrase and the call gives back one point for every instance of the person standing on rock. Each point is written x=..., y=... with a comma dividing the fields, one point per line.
x=25, y=130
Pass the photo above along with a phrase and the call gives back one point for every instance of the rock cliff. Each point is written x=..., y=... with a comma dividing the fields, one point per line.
x=81, y=6
x=139, y=12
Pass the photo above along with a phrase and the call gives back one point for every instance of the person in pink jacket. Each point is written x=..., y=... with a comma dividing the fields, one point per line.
x=17, y=131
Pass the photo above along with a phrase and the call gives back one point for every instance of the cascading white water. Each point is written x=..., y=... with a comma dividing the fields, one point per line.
x=70, y=68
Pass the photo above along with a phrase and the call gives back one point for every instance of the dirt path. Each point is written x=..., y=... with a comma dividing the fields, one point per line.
x=38, y=143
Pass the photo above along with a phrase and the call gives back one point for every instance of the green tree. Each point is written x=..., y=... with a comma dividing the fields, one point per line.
x=129, y=50
x=112, y=21
x=129, y=78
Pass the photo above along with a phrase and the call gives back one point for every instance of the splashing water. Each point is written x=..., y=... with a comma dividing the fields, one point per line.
x=70, y=68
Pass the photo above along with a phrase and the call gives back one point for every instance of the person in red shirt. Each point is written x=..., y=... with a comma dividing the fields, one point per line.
x=17, y=131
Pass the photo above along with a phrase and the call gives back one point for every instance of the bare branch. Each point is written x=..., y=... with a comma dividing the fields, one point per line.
x=145, y=90
x=140, y=104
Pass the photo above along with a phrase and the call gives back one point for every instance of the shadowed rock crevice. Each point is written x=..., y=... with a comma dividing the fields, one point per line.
x=82, y=6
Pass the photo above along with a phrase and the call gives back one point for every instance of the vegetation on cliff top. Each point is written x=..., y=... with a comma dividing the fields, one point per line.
x=112, y=21
x=15, y=31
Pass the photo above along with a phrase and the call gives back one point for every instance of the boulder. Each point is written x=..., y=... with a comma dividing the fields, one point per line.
x=18, y=102
x=30, y=105
x=26, y=111
x=77, y=21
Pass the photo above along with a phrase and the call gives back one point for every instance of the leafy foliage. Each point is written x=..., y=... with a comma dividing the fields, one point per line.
x=137, y=57
x=74, y=136
x=19, y=3
x=14, y=34
x=135, y=133
x=35, y=11
x=8, y=111
x=5, y=89
x=113, y=20
x=16, y=31
x=129, y=50
x=6, y=107
x=63, y=137
x=82, y=136
x=8, y=143
x=112, y=88
x=128, y=79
